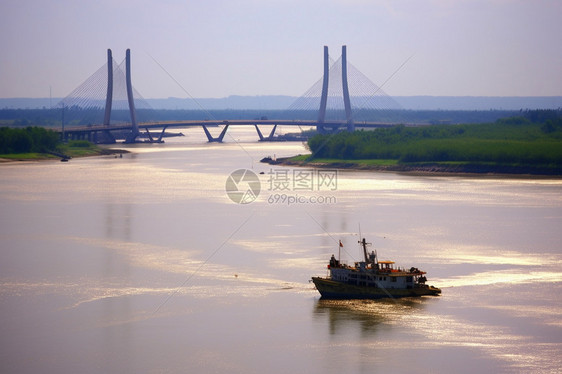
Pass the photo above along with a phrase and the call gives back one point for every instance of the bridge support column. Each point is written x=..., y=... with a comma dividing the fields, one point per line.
x=162, y=135
x=259, y=133
x=149, y=135
x=131, y=138
x=217, y=139
x=346, y=100
x=269, y=137
x=107, y=137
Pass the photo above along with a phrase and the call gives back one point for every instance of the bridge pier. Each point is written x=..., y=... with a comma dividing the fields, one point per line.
x=108, y=135
x=269, y=137
x=162, y=134
x=149, y=135
x=103, y=137
x=217, y=139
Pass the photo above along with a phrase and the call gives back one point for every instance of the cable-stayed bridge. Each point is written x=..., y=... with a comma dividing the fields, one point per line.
x=106, y=107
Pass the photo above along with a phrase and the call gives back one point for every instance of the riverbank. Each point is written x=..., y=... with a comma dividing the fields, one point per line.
x=65, y=153
x=524, y=145
x=418, y=168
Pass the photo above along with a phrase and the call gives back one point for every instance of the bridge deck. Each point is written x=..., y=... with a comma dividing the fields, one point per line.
x=194, y=123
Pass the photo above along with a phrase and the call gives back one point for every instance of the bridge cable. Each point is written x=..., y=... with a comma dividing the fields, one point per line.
x=379, y=88
x=326, y=140
x=200, y=106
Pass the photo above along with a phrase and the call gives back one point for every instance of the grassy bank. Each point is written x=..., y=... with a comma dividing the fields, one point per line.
x=451, y=167
x=516, y=145
x=82, y=148
x=508, y=145
x=75, y=148
x=306, y=159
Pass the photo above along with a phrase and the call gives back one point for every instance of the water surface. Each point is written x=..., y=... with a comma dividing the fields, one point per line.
x=144, y=265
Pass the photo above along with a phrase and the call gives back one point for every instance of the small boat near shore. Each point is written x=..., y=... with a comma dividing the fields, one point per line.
x=372, y=279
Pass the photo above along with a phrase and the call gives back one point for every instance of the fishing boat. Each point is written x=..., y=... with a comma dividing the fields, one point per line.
x=371, y=279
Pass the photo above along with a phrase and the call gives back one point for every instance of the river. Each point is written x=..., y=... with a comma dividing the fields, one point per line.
x=145, y=264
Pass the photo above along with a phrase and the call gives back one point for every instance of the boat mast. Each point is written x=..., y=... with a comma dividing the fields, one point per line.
x=364, y=244
x=339, y=250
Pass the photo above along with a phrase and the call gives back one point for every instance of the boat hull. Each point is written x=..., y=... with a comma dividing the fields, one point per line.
x=330, y=289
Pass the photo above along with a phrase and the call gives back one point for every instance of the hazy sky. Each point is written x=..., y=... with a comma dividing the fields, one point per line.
x=216, y=48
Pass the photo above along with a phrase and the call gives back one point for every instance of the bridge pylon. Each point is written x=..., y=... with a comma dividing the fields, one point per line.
x=109, y=94
x=131, y=137
x=345, y=89
x=107, y=136
x=346, y=100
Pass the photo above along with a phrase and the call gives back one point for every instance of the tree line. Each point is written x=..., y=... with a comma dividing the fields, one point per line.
x=27, y=140
x=531, y=139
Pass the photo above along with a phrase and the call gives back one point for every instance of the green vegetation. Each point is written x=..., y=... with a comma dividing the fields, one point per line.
x=36, y=143
x=28, y=140
x=379, y=162
x=80, y=148
x=533, y=140
x=26, y=156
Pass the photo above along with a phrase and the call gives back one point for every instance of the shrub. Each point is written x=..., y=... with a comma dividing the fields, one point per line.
x=79, y=144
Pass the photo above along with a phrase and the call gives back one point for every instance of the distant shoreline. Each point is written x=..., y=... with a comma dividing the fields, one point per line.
x=282, y=102
x=425, y=169
x=33, y=157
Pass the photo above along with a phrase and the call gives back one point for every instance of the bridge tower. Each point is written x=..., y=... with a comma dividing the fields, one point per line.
x=345, y=89
x=346, y=100
x=325, y=82
x=106, y=135
x=135, y=127
x=131, y=138
x=109, y=95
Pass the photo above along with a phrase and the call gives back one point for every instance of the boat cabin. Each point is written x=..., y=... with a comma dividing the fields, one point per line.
x=386, y=266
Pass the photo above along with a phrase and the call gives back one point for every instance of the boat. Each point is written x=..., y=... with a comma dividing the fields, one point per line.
x=372, y=279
